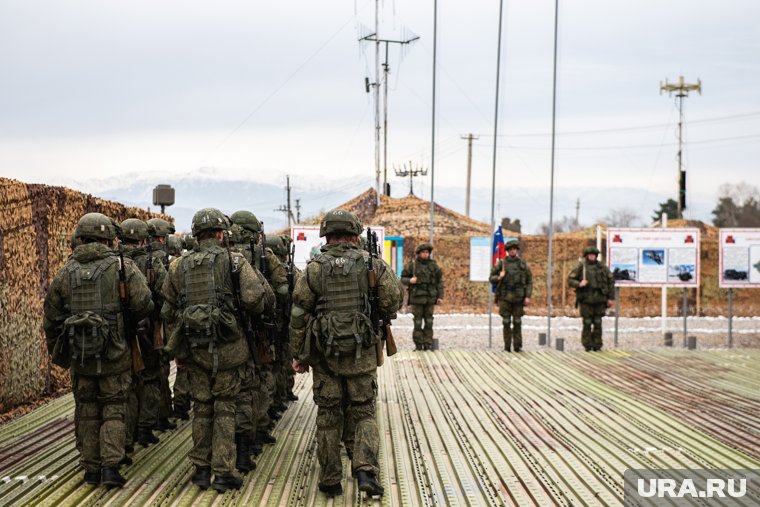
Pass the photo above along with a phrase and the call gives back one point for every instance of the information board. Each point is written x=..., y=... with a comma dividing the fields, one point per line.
x=739, y=262
x=307, y=241
x=480, y=259
x=654, y=257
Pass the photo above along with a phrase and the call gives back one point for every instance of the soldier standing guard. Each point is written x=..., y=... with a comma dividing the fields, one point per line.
x=85, y=314
x=331, y=331
x=425, y=281
x=514, y=286
x=593, y=284
x=201, y=303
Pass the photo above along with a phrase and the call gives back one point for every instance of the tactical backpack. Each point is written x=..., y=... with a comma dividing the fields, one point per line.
x=92, y=328
x=207, y=315
x=343, y=322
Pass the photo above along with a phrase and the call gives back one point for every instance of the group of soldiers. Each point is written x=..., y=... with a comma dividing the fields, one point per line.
x=513, y=287
x=128, y=301
x=239, y=320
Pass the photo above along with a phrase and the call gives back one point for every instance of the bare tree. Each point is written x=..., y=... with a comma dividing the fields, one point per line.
x=564, y=224
x=621, y=217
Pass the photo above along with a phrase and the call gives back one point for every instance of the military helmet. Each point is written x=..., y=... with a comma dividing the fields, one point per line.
x=236, y=234
x=134, y=229
x=75, y=240
x=590, y=250
x=513, y=243
x=160, y=227
x=246, y=220
x=95, y=226
x=209, y=219
x=340, y=221
x=423, y=246
x=277, y=245
x=174, y=245
x=189, y=242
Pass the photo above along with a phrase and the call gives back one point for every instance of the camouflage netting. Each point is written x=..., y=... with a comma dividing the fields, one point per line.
x=36, y=222
x=409, y=217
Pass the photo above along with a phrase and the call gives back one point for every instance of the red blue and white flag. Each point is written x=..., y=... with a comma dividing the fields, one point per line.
x=498, y=246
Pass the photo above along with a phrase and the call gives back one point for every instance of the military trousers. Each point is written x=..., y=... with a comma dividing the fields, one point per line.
x=149, y=390
x=592, y=313
x=263, y=396
x=511, y=318
x=423, y=325
x=214, y=417
x=181, y=389
x=101, y=409
x=345, y=412
x=165, y=398
x=245, y=423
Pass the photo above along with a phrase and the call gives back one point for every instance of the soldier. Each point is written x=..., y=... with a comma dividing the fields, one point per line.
x=147, y=382
x=83, y=316
x=425, y=282
x=181, y=388
x=266, y=404
x=173, y=247
x=593, y=284
x=331, y=331
x=514, y=286
x=160, y=230
x=200, y=306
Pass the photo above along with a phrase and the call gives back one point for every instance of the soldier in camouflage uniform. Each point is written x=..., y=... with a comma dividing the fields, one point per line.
x=593, y=284
x=425, y=282
x=160, y=230
x=514, y=286
x=330, y=330
x=83, y=317
x=265, y=403
x=146, y=384
x=181, y=388
x=201, y=308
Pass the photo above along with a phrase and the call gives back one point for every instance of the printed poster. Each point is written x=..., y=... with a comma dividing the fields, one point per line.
x=739, y=263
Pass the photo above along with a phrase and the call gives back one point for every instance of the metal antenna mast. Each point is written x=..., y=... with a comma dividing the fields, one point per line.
x=469, y=138
x=411, y=172
x=285, y=208
x=682, y=90
x=386, y=70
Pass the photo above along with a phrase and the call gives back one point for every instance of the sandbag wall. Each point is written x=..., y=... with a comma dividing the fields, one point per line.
x=453, y=255
x=36, y=222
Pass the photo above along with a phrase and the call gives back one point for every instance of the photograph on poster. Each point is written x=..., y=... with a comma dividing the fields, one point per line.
x=754, y=260
x=652, y=257
x=624, y=272
x=736, y=264
x=681, y=264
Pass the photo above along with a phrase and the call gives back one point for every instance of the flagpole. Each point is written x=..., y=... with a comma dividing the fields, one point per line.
x=493, y=172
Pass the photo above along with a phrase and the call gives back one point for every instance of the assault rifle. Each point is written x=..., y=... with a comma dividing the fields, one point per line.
x=291, y=279
x=138, y=364
x=245, y=321
x=382, y=330
x=157, y=324
x=268, y=323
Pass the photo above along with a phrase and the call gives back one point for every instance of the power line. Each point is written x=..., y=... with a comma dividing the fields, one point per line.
x=629, y=146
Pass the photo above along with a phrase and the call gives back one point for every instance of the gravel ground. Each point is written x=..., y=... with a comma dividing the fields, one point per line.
x=470, y=331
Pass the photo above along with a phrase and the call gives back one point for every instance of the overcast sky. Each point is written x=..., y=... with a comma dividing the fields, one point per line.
x=266, y=88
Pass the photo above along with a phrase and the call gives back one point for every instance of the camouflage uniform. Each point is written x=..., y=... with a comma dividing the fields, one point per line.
x=200, y=305
x=423, y=295
x=593, y=298
x=511, y=292
x=82, y=319
x=330, y=330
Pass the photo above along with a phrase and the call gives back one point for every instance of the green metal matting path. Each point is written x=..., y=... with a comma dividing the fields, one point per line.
x=457, y=428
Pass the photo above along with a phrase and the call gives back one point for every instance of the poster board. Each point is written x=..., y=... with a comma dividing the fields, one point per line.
x=480, y=259
x=739, y=262
x=307, y=242
x=667, y=257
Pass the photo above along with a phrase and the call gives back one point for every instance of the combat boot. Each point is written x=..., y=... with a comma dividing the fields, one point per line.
x=243, y=462
x=291, y=396
x=92, y=478
x=265, y=437
x=145, y=437
x=369, y=483
x=165, y=424
x=112, y=478
x=226, y=482
x=274, y=414
x=202, y=477
x=331, y=490
x=256, y=448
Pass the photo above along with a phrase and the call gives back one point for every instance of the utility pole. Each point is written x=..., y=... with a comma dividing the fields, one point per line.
x=469, y=138
x=298, y=211
x=682, y=90
x=577, y=211
x=386, y=70
x=286, y=207
x=432, y=126
x=411, y=172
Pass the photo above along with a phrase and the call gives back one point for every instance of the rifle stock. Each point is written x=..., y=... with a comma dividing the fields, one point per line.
x=245, y=321
x=374, y=301
x=138, y=364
